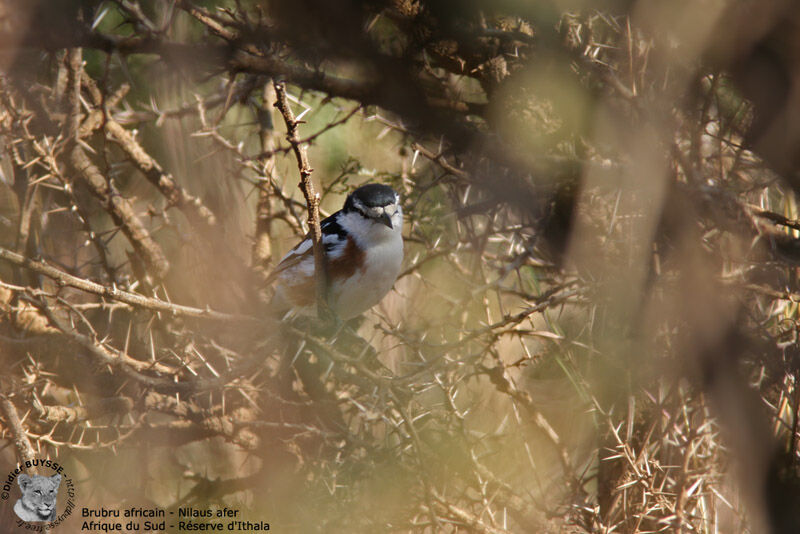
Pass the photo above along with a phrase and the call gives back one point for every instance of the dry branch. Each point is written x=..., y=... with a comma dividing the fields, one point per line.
x=19, y=435
x=113, y=293
x=311, y=197
x=192, y=206
x=119, y=208
x=121, y=212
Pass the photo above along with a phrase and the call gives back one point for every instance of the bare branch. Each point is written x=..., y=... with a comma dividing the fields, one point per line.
x=311, y=196
x=22, y=444
x=140, y=301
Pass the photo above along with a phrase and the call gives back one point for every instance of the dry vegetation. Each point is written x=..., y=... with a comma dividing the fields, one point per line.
x=596, y=329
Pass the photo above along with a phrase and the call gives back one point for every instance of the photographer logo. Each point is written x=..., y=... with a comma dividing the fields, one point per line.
x=37, y=508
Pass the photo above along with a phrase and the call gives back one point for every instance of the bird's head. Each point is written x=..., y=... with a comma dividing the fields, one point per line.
x=377, y=203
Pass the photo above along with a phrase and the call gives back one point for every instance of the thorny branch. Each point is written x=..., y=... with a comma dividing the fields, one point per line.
x=22, y=444
x=63, y=279
x=310, y=195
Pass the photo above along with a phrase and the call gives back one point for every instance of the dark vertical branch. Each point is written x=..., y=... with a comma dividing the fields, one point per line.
x=75, y=65
x=311, y=196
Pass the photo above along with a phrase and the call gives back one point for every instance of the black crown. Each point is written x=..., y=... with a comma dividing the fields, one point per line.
x=372, y=196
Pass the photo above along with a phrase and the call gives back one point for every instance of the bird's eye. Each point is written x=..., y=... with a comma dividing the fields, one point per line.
x=37, y=492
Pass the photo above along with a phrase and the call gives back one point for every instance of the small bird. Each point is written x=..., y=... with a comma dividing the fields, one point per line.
x=364, y=252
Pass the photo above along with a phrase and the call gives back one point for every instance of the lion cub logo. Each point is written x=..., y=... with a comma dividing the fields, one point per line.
x=38, y=502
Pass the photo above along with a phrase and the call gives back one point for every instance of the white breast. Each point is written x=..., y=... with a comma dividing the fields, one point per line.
x=369, y=285
x=382, y=263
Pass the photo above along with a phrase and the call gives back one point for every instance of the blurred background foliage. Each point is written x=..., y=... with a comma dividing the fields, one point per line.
x=596, y=325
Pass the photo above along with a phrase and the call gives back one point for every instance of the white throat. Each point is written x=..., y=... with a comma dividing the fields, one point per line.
x=383, y=259
x=369, y=233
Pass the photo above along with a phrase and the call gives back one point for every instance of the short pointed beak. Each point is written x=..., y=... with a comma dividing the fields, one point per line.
x=387, y=220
